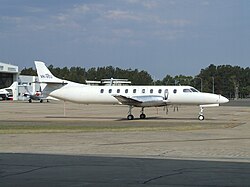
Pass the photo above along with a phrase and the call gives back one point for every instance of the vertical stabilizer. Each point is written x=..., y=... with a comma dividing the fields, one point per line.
x=44, y=74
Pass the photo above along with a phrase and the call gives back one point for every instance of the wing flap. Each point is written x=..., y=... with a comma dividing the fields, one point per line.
x=141, y=101
x=126, y=100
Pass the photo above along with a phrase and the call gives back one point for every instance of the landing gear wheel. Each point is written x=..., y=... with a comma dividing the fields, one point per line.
x=41, y=101
x=130, y=117
x=142, y=116
x=30, y=101
x=201, y=117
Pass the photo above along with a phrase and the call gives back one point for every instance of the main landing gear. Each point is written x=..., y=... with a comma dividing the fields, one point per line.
x=201, y=116
x=143, y=116
x=130, y=115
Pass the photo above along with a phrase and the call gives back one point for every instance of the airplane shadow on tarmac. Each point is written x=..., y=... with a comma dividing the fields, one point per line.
x=65, y=170
x=122, y=119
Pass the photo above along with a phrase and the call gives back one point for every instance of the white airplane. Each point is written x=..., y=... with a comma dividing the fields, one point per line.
x=7, y=93
x=133, y=96
x=4, y=94
x=37, y=96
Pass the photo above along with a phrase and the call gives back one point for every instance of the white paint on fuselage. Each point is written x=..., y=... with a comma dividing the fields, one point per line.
x=86, y=94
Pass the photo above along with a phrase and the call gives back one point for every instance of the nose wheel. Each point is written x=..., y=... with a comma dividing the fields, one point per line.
x=201, y=117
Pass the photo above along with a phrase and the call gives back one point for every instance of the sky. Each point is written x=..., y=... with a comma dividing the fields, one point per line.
x=159, y=36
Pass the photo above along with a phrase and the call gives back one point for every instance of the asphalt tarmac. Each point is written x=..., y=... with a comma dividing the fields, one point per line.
x=52, y=144
x=63, y=170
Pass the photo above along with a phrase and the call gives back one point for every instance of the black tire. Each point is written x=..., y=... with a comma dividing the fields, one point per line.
x=130, y=117
x=201, y=117
x=142, y=116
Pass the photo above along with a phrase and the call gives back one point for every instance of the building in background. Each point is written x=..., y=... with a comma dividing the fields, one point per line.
x=27, y=84
x=9, y=75
x=17, y=85
x=109, y=82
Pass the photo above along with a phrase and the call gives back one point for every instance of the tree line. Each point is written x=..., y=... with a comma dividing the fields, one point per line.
x=230, y=81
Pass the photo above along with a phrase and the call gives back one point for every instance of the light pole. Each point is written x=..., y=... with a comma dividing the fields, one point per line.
x=213, y=84
x=201, y=82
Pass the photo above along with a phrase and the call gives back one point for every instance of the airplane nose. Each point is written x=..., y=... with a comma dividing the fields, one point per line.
x=223, y=99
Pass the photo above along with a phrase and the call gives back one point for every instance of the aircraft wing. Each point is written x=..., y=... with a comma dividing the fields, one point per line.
x=127, y=101
x=141, y=101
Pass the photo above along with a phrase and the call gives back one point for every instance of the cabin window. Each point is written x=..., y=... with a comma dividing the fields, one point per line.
x=118, y=90
x=194, y=90
x=159, y=91
x=175, y=91
x=151, y=91
x=186, y=90
x=143, y=91
x=126, y=90
x=102, y=90
x=110, y=90
x=134, y=90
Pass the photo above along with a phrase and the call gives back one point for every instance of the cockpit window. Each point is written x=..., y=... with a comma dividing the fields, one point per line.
x=186, y=90
x=194, y=90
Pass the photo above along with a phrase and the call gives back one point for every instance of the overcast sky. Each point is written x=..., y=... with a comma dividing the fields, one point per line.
x=160, y=36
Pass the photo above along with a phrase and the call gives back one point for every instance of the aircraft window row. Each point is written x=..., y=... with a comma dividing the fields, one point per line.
x=135, y=90
x=150, y=91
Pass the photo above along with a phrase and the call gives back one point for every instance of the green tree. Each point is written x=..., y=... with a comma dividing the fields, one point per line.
x=28, y=71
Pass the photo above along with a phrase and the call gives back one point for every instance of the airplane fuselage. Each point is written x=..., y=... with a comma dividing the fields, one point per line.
x=162, y=95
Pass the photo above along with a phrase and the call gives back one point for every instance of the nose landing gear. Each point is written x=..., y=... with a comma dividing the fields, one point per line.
x=201, y=116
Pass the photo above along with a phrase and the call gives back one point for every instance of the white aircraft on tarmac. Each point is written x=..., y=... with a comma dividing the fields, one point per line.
x=133, y=96
x=37, y=96
x=7, y=93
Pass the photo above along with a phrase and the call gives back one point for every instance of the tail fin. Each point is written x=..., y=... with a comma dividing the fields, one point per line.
x=27, y=90
x=13, y=85
x=44, y=75
x=12, y=89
